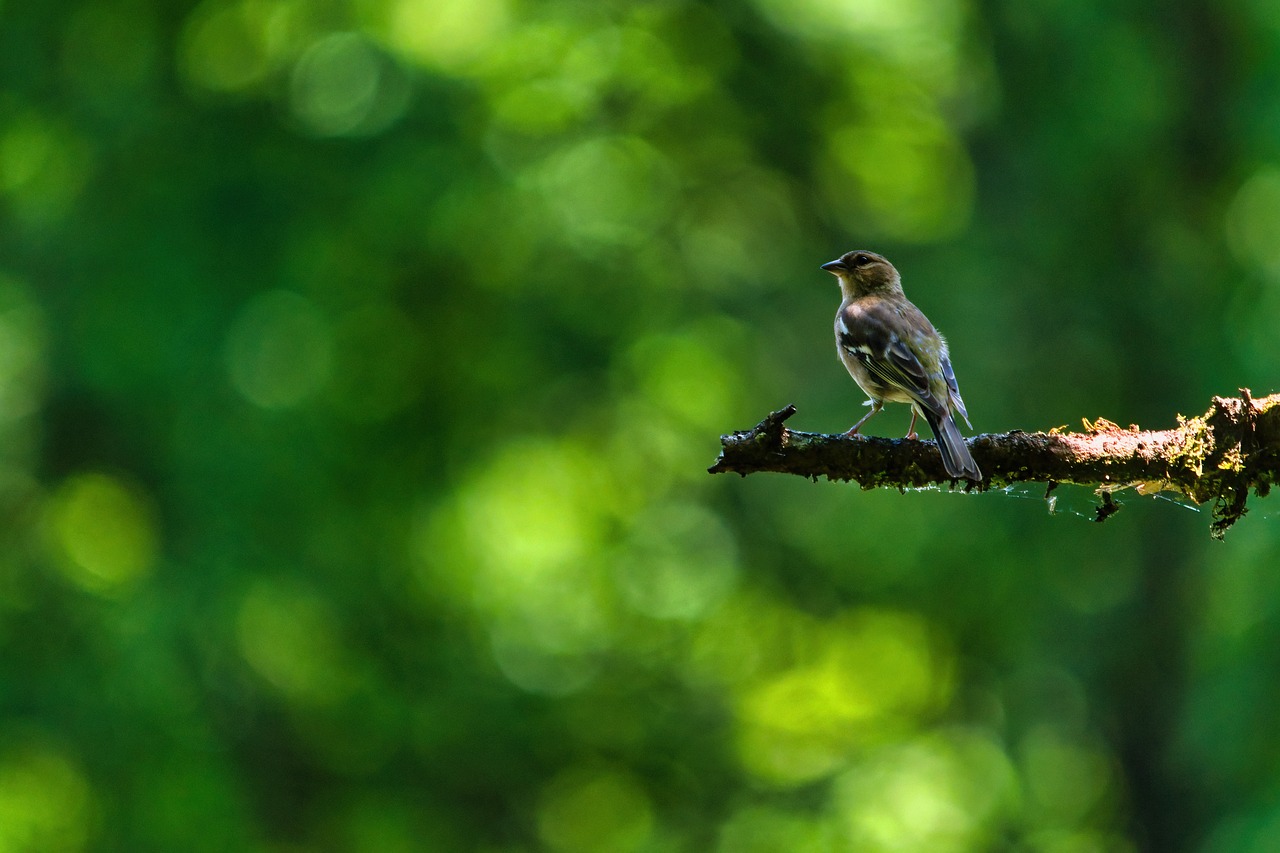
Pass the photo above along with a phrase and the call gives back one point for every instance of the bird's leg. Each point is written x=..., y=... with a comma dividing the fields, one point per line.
x=876, y=406
x=911, y=430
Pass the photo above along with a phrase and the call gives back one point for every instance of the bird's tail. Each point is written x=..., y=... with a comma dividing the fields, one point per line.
x=955, y=453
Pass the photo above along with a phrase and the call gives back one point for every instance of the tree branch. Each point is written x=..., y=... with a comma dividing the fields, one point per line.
x=1218, y=456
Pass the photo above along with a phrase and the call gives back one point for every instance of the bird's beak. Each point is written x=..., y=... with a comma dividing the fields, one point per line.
x=835, y=267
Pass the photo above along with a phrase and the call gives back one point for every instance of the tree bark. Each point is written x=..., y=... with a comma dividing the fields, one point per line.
x=1218, y=456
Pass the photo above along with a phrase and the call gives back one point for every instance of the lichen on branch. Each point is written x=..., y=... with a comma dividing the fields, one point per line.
x=1218, y=456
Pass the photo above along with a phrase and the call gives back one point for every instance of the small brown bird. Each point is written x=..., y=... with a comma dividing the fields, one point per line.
x=896, y=355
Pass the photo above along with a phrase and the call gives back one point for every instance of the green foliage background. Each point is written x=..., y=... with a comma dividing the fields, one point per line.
x=360, y=363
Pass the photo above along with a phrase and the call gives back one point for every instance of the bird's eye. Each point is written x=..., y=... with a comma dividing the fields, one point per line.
x=861, y=260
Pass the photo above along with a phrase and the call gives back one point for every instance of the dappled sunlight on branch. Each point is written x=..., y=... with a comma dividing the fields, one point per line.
x=1218, y=456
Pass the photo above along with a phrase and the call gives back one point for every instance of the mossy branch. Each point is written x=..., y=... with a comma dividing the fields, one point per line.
x=1218, y=456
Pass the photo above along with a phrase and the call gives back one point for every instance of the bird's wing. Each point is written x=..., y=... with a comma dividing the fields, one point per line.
x=868, y=333
x=957, y=402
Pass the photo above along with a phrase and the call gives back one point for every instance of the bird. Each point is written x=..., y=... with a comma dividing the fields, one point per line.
x=896, y=355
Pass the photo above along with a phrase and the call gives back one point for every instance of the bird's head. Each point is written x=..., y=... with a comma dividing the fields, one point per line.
x=862, y=273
